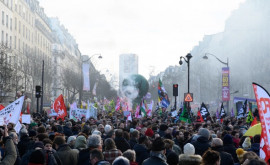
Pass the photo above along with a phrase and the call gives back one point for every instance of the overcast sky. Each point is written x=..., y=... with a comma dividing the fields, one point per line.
x=158, y=31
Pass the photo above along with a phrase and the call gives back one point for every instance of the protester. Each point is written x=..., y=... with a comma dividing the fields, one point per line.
x=202, y=143
x=131, y=156
x=225, y=158
x=97, y=158
x=141, y=149
x=111, y=152
x=211, y=157
x=255, y=146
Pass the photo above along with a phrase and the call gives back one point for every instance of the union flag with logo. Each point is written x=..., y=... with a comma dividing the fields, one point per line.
x=59, y=107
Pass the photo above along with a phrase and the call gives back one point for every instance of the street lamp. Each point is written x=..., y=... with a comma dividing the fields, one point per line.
x=187, y=59
x=227, y=70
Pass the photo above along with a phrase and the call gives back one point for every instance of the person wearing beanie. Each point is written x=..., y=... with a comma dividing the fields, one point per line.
x=202, y=143
x=229, y=147
x=149, y=132
x=162, y=130
x=185, y=159
x=240, y=153
x=37, y=157
x=247, y=144
x=71, y=141
x=225, y=158
x=141, y=149
x=80, y=143
x=189, y=149
x=255, y=146
x=157, y=155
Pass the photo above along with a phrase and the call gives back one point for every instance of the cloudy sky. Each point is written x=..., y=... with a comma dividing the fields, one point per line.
x=158, y=31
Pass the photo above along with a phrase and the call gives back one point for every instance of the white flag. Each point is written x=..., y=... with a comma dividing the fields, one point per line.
x=11, y=113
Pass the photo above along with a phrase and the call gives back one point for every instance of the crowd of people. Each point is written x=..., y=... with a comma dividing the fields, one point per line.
x=115, y=140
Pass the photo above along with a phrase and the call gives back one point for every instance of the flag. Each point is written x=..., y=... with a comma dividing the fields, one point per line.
x=184, y=115
x=150, y=108
x=143, y=108
x=112, y=105
x=11, y=113
x=163, y=96
x=1, y=107
x=117, y=107
x=59, y=107
x=254, y=122
x=129, y=117
x=222, y=113
x=242, y=111
x=232, y=113
x=217, y=114
x=263, y=102
x=72, y=111
x=204, y=112
x=137, y=113
x=94, y=91
x=28, y=108
x=199, y=117
x=249, y=117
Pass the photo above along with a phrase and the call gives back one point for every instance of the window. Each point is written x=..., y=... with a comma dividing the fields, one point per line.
x=19, y=44
x=7, y=21
x=19, y=26
x=10, y=42
x=15, y=23
x=23, y=30
x=10, y=23
x=2, y=37
x=15, y=7
x=11, y=4
x=6, y=39
x=20, y=9
x=3, y=17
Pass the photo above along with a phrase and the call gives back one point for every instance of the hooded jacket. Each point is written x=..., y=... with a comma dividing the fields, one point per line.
x=141, y=153
x=255, y=147
x=225, y=158
x=201, y=145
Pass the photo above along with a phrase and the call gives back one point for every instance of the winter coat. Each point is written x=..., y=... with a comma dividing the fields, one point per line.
x=185, y=159
x=255, y=147
x=18, y=159
x=50, y=158
x=156, y=159
x=225, y=158
x=201, y=145
x=231, y=150
x=132, y=142
x=66, y=155
x=84, y=157
x=10, y=155
x=67, y=131
x=102, y=162
x=121, y=144
x=141, y=153
x=25, y=145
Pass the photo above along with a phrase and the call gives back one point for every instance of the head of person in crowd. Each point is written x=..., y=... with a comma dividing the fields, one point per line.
x=120, y=160
x=107, y=128
x=38, y=146
x=172, y=159
x=189, y=149
x=94, y=141
x=58, y=141
x=143, y=130
x=41, y=129
x=185, y=159
x=71, y=141
x=227, y=140
x=158, y=146
x=109, y=144
x=216, y=143
x=119, y=133
x=247, y=143
x=96, y=157
x=134, y=134
x=144, y=140
x=83, y=119
x=14, y=137
x=41, y=136
x=204, y=132
x=149, y=132
x=33, y=126
x=240, y=154
x=37, y=157
x=47, y=144
x=10, y=126
x=211, y=157
x=130, y=155
x=249, y=155
x=80, y=142
x=168, y=144
x=101, y=128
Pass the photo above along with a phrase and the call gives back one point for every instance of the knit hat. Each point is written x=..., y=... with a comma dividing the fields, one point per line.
x=240, y=153
x=204, y=132
x=39, y=145
x=80, y=142
x=107, y=128
x=32, y=133
x=227, y=139
x=70, y=139
x=189, y=149
x=37, y=157
x=247, y=144
x=149, y=132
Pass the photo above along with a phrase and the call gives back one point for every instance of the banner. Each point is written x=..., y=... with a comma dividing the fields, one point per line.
x=77, y=114
x=92, y=111
x=263, y=102
x=204, y=112
x=163, y=96
x=94, y=91
x=86, y=78
x=26, y=119
x=59, y=107
x=222, y=113
x=242, y=111
x=11, y=113
x=225, y=84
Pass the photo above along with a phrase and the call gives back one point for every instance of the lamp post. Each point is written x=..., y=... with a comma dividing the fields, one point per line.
x=187, y=60
x=84, y=61
x=227, y=70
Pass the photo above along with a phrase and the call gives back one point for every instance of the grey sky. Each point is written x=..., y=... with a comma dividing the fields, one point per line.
x=158, y=31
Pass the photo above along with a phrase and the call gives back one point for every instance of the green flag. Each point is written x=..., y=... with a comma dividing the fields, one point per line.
x=184, y=115
x=249, y=117
x=143, y=107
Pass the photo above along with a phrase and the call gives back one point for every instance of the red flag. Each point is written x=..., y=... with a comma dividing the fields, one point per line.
x=1, y=107
x=263, y=102
x=254, y=122
x=59, y=107
x=199, y=117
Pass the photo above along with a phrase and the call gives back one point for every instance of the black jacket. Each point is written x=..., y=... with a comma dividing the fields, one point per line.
x=230, y=148
x=132, y=142
x=255, y=147
x=121, y=144
x=225, y=158
x=141, y=153
x=155, y=159
x=67, y=131
x=84, y=157
x=201, y=145
x=25, y=145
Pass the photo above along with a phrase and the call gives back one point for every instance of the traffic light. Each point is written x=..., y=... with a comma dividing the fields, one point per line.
x=175, y=89
x=38, y=91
